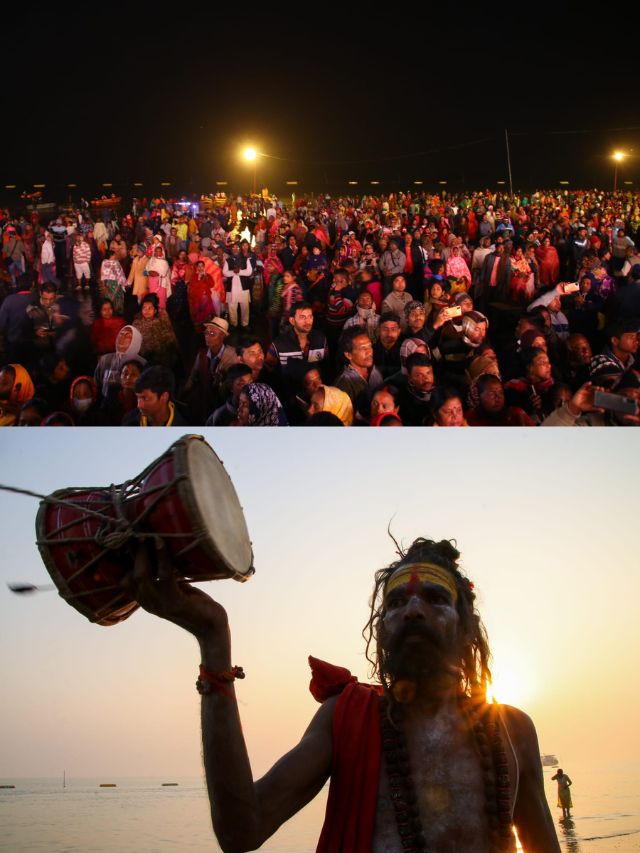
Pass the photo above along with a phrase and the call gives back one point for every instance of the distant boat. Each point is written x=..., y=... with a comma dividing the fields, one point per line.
x=169, y=784
x=7, y=786
x=108, y=785
x=549, y=760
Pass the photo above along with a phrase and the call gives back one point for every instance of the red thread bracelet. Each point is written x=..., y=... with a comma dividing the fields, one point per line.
x=208, y=682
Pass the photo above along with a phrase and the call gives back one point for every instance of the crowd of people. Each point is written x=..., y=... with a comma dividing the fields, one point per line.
x=475, y=309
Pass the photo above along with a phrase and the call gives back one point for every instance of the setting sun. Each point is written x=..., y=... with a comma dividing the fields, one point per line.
x=510, y=685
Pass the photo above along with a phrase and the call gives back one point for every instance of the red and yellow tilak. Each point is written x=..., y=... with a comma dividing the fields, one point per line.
x=414, y=574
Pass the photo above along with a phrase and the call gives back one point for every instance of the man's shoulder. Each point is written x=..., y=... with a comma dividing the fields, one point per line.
x=16, y=301
x=132, y=418
x=349, y=377
x=286, y=339
x=521, y=732
x=179, y=420
x=515, y=716
x=317, y=338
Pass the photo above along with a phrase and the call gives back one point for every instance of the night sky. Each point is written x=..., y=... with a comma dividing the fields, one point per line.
x=394, y=95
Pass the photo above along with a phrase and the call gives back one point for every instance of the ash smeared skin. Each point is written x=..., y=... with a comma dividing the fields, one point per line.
x=448, y=783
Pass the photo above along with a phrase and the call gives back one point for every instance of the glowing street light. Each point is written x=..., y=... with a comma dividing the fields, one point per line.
x=251, y=156
x=618, y=157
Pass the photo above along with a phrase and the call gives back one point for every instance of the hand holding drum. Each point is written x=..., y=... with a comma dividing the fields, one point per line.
x=158, y=589
x=184, y=504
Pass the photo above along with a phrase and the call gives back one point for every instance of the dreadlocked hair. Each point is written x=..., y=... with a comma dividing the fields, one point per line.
x=475, y=652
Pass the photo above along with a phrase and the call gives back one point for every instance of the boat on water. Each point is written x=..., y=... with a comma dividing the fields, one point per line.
x=549, y=760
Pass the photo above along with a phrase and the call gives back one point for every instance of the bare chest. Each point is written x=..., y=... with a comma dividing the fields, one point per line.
x=449, y=790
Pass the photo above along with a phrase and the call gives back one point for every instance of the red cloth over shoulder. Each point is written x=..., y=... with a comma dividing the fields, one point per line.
x=355, y=766
x=327, y=680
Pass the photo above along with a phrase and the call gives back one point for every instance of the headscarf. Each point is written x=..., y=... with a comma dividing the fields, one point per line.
x=116, y=359
x=134, y=347
x=483, y=364
x=21, y=391
x=91, y=382
x=411, y=306
x=470, y=322
x=26, y=390
x=264, y=407
x=407, y=348
x=339, y=404
x=376, y=421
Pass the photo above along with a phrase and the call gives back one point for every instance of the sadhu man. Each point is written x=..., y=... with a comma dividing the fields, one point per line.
x=417, y=762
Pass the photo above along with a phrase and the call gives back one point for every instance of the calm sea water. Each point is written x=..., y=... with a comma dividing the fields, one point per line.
x=141, y=816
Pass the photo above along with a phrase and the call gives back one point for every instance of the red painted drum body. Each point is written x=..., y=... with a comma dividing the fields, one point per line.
x=86, y=573
x=186, y=497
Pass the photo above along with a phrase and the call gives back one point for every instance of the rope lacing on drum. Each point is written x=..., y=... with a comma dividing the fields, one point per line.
x=110, y=538
x=105, y=535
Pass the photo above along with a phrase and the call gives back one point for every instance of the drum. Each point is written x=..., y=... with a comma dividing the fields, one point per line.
x=186, y=497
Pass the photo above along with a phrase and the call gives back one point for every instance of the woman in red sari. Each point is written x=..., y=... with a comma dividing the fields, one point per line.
x=199, y=293
x=549, y=263
x=521, y=287
x=472, y=226
x=272, y=264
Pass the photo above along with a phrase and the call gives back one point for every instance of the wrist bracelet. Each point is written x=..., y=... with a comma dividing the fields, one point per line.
x=208, y=682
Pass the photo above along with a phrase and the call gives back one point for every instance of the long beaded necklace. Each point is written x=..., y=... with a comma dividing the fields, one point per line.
x=485, y=728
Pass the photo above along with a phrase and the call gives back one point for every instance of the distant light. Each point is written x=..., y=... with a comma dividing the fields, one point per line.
x=165, y=184
x=249, y=153
x=107, y=185
x=442, y=183
x=71, y=186
x=353, y=183
x=292, y=183
x=418, y=183
x=501, y=182
x=39, y=186
x=564, y=182
x=628, y=183
x=375, y=183
x=137, y=184
x=221, y=183
x=9, y=186
x=618, y=155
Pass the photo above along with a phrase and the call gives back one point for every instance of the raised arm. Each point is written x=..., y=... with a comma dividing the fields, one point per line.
x=532, y=817
x=244, y=813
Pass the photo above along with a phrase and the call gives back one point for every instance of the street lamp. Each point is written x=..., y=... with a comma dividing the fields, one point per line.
x=618, y=157
x=251, y=156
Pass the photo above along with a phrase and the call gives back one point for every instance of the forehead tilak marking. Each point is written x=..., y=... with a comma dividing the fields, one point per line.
x=414, y=582
x=416, y=573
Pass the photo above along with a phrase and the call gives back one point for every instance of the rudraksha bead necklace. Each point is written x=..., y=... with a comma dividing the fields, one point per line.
x=484, y=725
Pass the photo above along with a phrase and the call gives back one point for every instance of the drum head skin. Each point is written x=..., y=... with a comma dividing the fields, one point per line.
x=216, y=503
x=187, y=498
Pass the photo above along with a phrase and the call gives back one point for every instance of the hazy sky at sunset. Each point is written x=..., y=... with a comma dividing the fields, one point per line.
x=545, y=519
